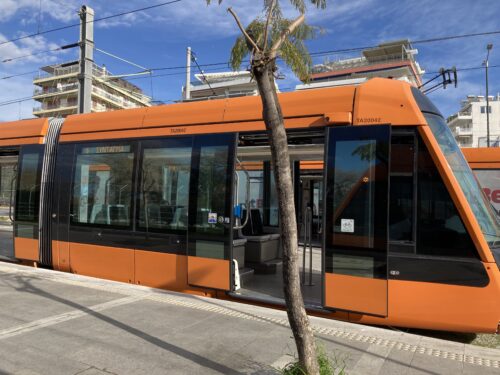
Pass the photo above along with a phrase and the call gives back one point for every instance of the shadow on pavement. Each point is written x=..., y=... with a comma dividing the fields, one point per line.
x=28, y=287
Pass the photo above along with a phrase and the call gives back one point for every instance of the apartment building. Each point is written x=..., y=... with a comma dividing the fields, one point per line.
x=394, y=60
x=222, y=85
x=469, y=124
x=56, y=91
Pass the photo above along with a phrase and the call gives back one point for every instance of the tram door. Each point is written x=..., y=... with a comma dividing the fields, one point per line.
x=356, y=219
x=8, y=178
x=210, y=212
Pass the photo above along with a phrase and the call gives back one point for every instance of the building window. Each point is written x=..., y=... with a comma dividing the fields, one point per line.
x=483, y=109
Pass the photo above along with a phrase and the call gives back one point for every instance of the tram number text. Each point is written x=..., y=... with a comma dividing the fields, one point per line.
x=177, y=130
x=368, y=120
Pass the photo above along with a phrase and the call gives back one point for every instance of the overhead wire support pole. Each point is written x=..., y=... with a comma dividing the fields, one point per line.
x=488, y=48
x=187, y=90
x=86, y=59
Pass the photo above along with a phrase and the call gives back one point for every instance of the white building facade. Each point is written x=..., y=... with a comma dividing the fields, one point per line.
x=469, y=125
x=56, y=91
x=395, y=60
x=222, y=85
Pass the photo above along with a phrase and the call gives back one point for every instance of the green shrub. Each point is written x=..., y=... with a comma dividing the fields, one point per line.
x=327, y=365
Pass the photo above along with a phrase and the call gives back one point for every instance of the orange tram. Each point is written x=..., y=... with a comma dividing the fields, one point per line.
x=394, y=227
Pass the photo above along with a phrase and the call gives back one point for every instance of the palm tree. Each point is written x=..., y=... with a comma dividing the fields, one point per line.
x=265, y=39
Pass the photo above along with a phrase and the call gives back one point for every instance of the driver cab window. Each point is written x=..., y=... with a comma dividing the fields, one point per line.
x=422, y=216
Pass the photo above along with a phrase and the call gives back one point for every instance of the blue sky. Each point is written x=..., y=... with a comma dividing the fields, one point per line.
x=159, y=37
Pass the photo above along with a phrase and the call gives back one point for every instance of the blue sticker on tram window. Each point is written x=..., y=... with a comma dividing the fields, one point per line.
x=212, y=218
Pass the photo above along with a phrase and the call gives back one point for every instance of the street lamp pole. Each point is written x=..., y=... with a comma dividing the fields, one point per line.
x=488, y=48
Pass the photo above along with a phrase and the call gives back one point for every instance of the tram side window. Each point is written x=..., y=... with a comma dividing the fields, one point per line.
x=28, y=194
x=256, y=192
x=164, y=189
x=102, y=185
x=354, y=193
x=7, y=182
x=212, y=190
x=440, y=231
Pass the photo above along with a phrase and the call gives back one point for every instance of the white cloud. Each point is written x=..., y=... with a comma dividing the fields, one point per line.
x=26, y=47
x=22, y=86
x=60, y=10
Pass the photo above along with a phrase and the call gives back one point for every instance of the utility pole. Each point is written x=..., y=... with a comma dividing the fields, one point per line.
x=86, y=59
x=488, y=48
x=187, y=90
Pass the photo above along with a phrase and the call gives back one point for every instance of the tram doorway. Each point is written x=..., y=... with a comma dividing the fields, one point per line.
x=8, y=178
x=257, y=246
x=310, y=207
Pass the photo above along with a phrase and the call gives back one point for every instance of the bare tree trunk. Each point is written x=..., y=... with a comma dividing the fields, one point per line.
x=273, y=118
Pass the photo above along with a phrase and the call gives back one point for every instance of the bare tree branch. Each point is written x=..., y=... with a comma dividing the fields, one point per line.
x=266, y=30
x=238, y=22
x=285, y=34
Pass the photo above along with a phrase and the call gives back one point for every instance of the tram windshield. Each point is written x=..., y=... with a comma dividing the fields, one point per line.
x=477, y=201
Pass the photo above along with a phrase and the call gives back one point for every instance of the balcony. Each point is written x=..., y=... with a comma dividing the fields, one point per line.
x=463, y=131
x=56, y=73
x=46, y=91
x=98, y=107
x=54, y=107
x=116, y=100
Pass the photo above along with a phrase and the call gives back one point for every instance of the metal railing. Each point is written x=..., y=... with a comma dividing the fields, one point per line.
x=359, y=62
x=50, y=90
x=463, y=131
x=48, y=107
x=114, y=98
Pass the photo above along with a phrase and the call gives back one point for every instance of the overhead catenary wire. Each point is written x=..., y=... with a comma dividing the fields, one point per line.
x=94, y=21
x=195, y=60
x=60, y=48
x=14, y=101
x=418, y=41
x=283, y=89
x=19, y=74
x=150, y=70
x=313, y=54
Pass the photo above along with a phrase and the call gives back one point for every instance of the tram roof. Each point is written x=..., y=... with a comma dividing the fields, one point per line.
x=375, y=102
x=30, y=131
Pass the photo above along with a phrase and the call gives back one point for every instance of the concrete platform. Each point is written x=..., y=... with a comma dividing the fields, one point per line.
x=57, y=323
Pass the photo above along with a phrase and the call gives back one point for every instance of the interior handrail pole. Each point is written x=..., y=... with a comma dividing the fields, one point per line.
x=304, y=248
x=310, y=214
x=10, y=200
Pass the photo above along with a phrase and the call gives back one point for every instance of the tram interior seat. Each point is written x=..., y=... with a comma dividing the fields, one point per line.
x=114, y=214
x=180, y=218
x=117, y=214
x=260, y=247
x=239, y=251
